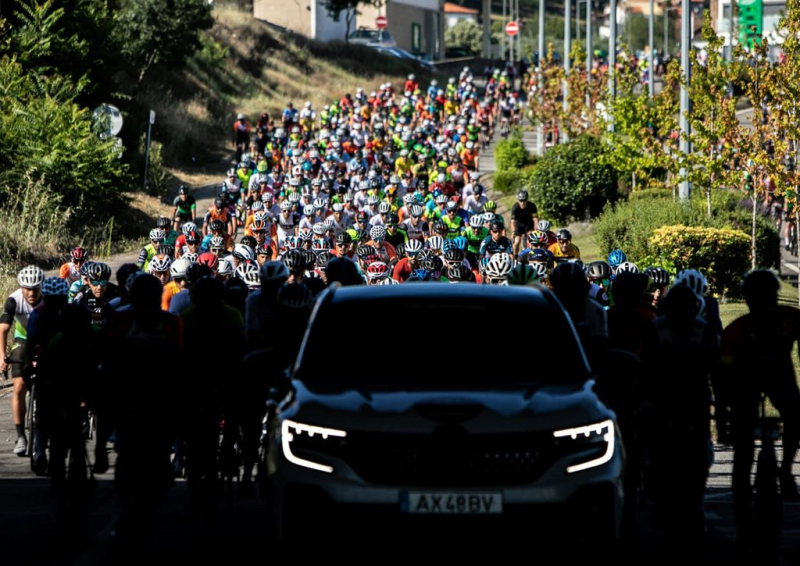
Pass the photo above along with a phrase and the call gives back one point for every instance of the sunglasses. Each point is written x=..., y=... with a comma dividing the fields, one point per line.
x=495, y=231
x=99, y=282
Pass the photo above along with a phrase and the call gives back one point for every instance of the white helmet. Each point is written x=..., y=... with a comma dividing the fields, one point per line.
x=693, y=279
x=629, y=267
x=30, y=277
x=189, y=227
x=250, y=274
x=246, y=252
x=179, y=267
x=499, y=265
x=160, y=263
x=225, y=267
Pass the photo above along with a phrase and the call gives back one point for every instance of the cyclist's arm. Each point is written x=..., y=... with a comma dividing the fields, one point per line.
x=194, y=212
x=6, y=319
x=142, y=258
x=63, y=272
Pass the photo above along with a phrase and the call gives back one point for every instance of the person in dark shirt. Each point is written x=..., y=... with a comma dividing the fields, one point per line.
x=184, y=208
x=523, y=219
x=495, y=242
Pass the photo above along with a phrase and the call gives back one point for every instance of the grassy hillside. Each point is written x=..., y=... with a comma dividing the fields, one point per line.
x=248, y=66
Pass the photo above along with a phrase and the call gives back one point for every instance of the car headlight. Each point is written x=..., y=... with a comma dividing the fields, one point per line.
x=303, y=436
x=598, y=439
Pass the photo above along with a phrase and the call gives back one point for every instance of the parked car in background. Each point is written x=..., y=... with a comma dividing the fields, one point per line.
x=403, y=54
x=365, y=36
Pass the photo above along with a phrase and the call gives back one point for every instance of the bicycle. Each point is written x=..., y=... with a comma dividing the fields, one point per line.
x=767, y=499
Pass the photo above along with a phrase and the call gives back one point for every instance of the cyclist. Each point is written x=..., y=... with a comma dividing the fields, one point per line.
x=523, y=219
x=495, y=242
x=564, y=249
x=71, y=271
x=97, y=293
x=218, y=212
x=17, y=310
x=241, y=135
x=756, y=356
x=184, y=208
x=147, y=253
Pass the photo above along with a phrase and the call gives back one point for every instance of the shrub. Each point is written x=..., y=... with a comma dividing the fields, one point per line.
x=510, y=154
x=507, y=182
x=157, y=173
x=572, y=180
x=722, y=254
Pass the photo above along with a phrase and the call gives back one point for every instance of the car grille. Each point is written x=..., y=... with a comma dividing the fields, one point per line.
x=450, y=458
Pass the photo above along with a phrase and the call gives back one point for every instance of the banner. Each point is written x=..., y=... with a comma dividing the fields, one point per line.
x=751, y=19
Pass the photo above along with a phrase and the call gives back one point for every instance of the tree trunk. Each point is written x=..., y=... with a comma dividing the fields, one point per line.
x=753, y=234
x=796, y=220
x=708, y=201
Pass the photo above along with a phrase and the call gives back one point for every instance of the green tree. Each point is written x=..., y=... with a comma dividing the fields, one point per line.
x=465, y=33
x=162, y=32
x=350, y=9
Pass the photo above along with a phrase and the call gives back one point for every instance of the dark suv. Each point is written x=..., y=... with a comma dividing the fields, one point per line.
x=456, y=422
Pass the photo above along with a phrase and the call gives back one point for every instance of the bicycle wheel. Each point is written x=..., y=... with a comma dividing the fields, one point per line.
x=30, y=421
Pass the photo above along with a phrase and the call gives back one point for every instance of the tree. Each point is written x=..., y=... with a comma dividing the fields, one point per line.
x=160, y=31
x=350, y=9
x=544, y=97
x=466, y=34
x=581, y=115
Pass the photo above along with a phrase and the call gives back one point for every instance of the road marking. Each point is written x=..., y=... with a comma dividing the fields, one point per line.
x=791, y=266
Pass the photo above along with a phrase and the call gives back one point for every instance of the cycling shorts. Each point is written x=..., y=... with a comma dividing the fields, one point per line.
x=16, y=359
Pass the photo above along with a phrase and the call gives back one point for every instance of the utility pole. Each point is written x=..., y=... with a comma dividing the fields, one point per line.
x=487, y=28
x=540, y=136
x=589, y=54
x=685, y=188
x=651, y=60
x=612, y=58
x=730, y=30
x=567, y=46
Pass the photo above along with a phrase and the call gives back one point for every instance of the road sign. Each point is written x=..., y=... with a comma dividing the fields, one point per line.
x=109, y=118
x=512, y=28
x=381, y=22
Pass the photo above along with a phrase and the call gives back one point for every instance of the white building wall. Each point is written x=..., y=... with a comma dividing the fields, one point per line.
x=324, y=27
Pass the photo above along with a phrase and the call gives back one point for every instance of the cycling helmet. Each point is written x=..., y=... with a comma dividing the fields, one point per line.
x=249, y=241
x=413, y=247
x=309, y=258
x=693, y=279
x=451, y=205
x=440, y=228
x=377, y=270
x=388, y=281
x=441, y=199
x=432, y=263
x=216, y=226
x=564, y=234
x=448, y=245
x=294, y=260
x=490, y=206
x=460, y=242
x=476, y=221
x=249, y=273
x=305, y=237
x=294, y=296
x=344, y=238
x=435, y=243
x=188, y=228
x=372, y=200
x=454, y=255
x=259, y=225
x=760, y=287
x=457, y=272
x=158, y=264
x=286, y=205
x=318, y=228
x=308, y=210
x=157, y=235
x=540, y=255
x=242, y=252
x=627, y=267
x=499, y=266
x=365, y=250
x=163, y=222
x=165, y=249
x=544, y=225
x=217, y=243
x=616, y=257
x=55, y=286
x=323, y=258
x=598, y=270
x=384, y=208
x=320, y=204
x=377, y=233
x=79, y=254
x=416, y=210
x=420, y=274
x=179, y=268
x=408, y=199
x=264, y=249
x=257, y=205
x=537, y=238
x=209, y=260
x=290, y=242
x=522, y=195
x=273, y=271
x=540, y=268
x=190, y=257
x=522, y=274
x=659, y=275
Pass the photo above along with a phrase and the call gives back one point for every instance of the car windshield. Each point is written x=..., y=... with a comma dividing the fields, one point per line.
x=441, y=343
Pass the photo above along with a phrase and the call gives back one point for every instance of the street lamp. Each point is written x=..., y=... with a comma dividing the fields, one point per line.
x=667, y=10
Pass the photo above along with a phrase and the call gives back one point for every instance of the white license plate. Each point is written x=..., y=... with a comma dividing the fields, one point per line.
x=451, y=503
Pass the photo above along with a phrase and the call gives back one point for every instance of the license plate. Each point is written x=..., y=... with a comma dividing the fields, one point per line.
x=451, y=503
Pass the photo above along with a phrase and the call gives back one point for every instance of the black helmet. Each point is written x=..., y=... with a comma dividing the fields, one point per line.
x=564, y=234
x=344, y=271
x=294, y=260
x=163, y=222
x=496, y=227
x=569, y=278
x=249, y=241
x=182, y=190
x=454, y=254
x=344, y=238
x=99, y=271
x=522, y=195
x=439, y=227
x=218, y=202
x=216, y=226
x=294, y=296
x=598, y=270
x=364, y=250
x=659, y=275
x=323, y=258
x=166, y=249
x=309, y=258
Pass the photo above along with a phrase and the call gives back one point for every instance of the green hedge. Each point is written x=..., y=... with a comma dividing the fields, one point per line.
x=572, y=180
x=510, y=154
x=510, y=181
x=721, y=254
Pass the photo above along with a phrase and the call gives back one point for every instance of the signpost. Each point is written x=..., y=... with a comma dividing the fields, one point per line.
x=147, y=149
x=512, y=28
x=381, y=22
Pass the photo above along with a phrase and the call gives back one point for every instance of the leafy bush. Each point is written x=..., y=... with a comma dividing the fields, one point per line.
x=507, y=181
x=722, y=254
x=510, y=154
x=465, y=33
x=157, y=173
x=572, y=180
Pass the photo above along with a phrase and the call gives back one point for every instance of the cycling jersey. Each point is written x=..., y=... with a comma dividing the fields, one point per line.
x=146, y=256
x=18, y=311
x=491, y=247
x=415, y=232
x=184, y=207
x=475, y=238
x=69, y=272
x=572, y=252
x=98, y=308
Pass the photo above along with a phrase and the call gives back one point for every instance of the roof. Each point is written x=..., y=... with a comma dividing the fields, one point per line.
x=453, y=8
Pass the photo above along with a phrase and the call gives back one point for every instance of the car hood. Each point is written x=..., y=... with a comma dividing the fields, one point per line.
x=539, y=409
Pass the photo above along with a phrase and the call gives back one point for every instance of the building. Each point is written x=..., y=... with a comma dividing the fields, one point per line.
x=454, y=13
x=770, y=11
x=416, y=25
x=306, y=17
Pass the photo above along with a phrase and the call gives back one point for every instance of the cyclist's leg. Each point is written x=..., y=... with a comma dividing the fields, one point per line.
x=744, y=416
x=786, y=399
